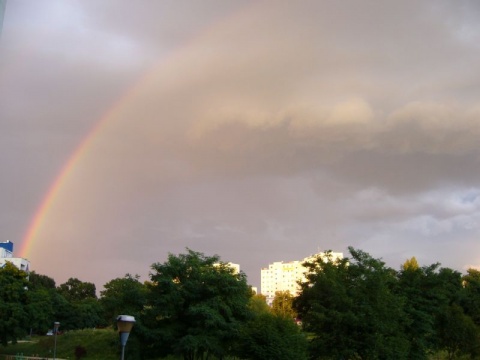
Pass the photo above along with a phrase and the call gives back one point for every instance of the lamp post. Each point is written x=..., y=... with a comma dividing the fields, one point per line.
x=124, y=324
x=56, y=325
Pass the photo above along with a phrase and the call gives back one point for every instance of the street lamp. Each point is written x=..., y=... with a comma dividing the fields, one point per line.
x=56, y=325
x=124, y=324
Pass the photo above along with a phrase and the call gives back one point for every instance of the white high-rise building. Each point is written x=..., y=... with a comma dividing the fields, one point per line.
x=283, y=276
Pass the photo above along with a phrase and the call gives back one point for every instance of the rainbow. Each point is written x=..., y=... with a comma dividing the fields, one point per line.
x=78, y=155
x=81, y=152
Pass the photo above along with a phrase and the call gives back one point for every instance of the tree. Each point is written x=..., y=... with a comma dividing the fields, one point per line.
x=38, y=281
x=64, y=312
x=40, y=295
x=272, y=337
x=75, y=290
x=87, y=314
x=40, y=309
x=471, y=299
x=125, y=295
x=196, y=306
x=350, y=307
x=258, y=304
x=458, y=334
x=78, y=306
x=282, y=304
x=417, y=286
x=13, y=301
x=411, y=264
x=428, y=293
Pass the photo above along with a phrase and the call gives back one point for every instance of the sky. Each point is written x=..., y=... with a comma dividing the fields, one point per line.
x=259, y=131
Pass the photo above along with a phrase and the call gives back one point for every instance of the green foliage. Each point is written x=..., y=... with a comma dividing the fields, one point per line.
x=458, y=334
x=75, y=290
x=38, y=281
x=87, y=314
x=420, y=307
x=13, y=303
x=64, y=312
x=126, y=295
x=40, y=309
x=258, y=304
x=428, y=292
x=272, y=337
x=471, y=298
x=77, y=305
x=351, y=310
x=282, y=305
x=196, y=306
x=123, y=296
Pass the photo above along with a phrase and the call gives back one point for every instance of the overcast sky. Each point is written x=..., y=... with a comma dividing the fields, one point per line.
x=260, y=131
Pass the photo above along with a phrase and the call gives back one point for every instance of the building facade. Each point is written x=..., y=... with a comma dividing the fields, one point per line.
x=284, y=276
x=235, y=267
x=6, y=249
x=6, y=255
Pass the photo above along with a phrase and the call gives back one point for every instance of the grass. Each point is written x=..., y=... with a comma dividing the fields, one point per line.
x=99, y=345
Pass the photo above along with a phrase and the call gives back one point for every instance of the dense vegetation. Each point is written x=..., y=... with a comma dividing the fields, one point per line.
x=196, y=307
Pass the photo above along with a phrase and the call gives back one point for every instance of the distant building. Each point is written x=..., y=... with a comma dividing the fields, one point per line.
x=6, y=249
x=284, y=276
x=235, y=267
x=6, y=255
x=236, y=270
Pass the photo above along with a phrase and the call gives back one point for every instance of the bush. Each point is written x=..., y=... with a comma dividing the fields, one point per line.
x=80, y=352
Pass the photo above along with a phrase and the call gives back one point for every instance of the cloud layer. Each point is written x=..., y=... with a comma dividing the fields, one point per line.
x=258, y=131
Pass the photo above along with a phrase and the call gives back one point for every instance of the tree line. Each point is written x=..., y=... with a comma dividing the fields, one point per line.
x=197, y=307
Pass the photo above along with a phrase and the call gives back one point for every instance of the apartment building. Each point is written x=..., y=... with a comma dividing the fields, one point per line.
x=6, y=254
x=283, y=276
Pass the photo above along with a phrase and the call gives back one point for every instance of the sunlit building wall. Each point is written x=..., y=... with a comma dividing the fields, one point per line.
x=284, y=276
x=6, y=255
x=22, y=264
x=235, y=267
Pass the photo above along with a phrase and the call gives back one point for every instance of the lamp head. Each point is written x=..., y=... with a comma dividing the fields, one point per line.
x=125, y=323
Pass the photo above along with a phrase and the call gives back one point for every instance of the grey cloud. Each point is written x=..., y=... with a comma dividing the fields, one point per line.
x=424, y=141
x=261, y=131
